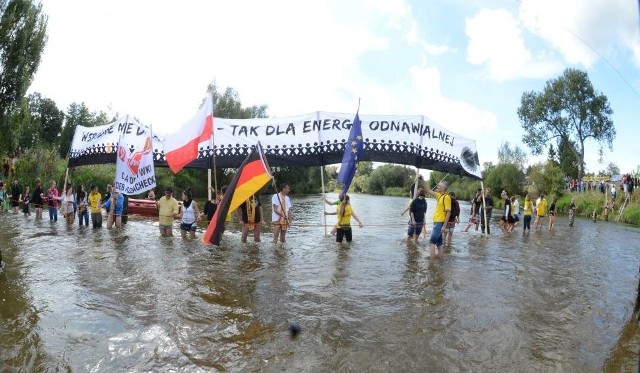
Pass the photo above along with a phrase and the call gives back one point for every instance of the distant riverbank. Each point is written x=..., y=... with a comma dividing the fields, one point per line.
x=587, y=203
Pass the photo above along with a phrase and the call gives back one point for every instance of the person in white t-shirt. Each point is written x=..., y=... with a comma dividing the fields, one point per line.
x=281, y=213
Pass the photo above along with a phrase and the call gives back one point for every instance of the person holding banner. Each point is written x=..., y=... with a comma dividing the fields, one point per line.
x=441, y=216
x=344, y=213
x=281, y=213
x=115, y=206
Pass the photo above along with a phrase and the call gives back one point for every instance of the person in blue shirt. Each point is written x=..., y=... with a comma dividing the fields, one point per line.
x=115, y=206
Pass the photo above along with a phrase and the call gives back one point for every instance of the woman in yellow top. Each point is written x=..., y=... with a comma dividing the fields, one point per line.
x=527, y=208
x=95, y=205
x=541, y=210
x=344, y=213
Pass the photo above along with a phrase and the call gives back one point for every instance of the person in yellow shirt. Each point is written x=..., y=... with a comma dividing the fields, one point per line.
x=344, y=213
x=526, y=212
x=95, y=205
x=167, y=211
x=541, y=212
x=441, y=215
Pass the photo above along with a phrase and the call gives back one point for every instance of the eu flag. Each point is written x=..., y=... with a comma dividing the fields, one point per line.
x=352, y=153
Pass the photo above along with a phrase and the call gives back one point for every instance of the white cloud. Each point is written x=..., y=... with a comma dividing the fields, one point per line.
x=457, y=116
x=495, y=40
x=577, y=29
x=156, y=65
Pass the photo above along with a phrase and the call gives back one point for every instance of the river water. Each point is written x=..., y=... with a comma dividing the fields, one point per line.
x=75, y=299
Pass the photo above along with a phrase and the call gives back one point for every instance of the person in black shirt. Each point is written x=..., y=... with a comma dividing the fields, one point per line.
x=211, y=206
x=15, y=196
x=417, y=212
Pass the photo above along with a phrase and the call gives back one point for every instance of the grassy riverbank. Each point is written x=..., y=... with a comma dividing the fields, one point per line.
x=587, y=203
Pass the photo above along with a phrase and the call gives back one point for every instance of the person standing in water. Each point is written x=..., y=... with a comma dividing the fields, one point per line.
x=53, y=196
x=188, y=215
x=344, y=213
x=441, y=216
x=281, y=213
x=541, y=212
x=552, y=213
x=37, y=198
x=527, y=210
x=251, y=217
x=572, y=212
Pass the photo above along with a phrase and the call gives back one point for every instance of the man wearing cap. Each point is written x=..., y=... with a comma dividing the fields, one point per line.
x=167, y=210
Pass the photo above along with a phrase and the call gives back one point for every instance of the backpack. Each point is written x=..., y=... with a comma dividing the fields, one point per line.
x=455, y=209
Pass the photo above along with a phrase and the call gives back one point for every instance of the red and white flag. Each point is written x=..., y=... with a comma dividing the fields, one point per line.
x=181, y=147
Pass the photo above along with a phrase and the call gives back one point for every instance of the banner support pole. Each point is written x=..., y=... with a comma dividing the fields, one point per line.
x=484, y=210
x=324, y=209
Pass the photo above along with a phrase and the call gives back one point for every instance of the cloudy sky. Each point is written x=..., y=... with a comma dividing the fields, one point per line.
x=464, y=64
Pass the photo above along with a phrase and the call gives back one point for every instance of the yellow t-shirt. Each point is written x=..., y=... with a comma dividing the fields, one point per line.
x=542, y=208
x=528, y=206
x=94, y=203
x=166, y=209
x=443, y=205
x=344, y=220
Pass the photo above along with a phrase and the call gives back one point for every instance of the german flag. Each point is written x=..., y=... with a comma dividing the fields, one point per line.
x=252, y=175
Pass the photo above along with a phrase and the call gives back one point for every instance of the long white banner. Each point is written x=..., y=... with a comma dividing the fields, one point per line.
x=308, y=140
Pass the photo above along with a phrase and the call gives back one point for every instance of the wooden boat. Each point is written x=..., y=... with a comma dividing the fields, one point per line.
x=146, y=207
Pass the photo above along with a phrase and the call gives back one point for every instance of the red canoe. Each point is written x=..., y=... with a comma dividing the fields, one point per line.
x=145, y=207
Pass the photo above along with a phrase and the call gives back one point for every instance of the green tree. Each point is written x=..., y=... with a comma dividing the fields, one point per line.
x=515, y=155
x=552, y=155
x=389, y=176
x=569, y=108
x=505, y=176
x=545, y=178
x=228, y=105
x=567, y=159
x=22, y=38
x=613, y=169
x=364, y=168
x=78, y=114
x=40, y=122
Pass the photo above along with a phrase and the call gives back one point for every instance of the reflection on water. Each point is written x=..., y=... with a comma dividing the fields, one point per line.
x=84, y=300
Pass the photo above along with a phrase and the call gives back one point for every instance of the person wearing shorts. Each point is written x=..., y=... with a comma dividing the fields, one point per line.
x=541, y=212
x=417, y=212
x=188, y=215
x=115, y=205
x=167, y=211
x=441, y=216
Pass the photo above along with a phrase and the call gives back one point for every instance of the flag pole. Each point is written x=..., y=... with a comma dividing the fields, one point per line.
x=213, y=156
x=484, y=210
x=324, y=208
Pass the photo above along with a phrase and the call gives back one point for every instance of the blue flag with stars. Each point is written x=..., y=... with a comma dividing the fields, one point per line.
x=352, y=153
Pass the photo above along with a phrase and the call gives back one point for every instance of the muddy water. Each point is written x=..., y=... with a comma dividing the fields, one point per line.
x=82, y=300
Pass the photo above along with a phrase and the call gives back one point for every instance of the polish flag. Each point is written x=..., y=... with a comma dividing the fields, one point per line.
x=181, y=147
